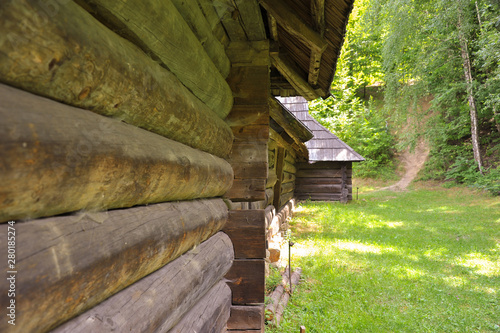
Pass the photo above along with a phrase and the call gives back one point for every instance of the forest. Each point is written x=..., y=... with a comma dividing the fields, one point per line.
x=420, y=71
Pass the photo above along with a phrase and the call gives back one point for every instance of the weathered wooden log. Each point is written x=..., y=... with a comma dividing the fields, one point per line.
x=285, y=297
x=246, y=228
x=250, y=317
x=214, y=21
x=193, y=15
x=247, y=190
x=288, y=177
x=86, y=161
x=158, y=301
x=321, y=196
x=271, y=178
x=287, y=187
x=82, y=63
x=161, y=32
x=269, y=196
x=210, y=314
x=285, y=198
x=289, y=167
x=290, y=156
x=322, y=165
x=270, y=212
x=80, y=260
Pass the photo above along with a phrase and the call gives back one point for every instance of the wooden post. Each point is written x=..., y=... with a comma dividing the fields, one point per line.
x=302, y=329
x=280, y=160
x=249, y=121
x=344, y=192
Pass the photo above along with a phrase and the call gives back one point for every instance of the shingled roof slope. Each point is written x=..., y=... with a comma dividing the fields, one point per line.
x=324, y=146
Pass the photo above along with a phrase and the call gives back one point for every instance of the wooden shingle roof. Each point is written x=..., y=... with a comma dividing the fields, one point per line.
x=324, y=146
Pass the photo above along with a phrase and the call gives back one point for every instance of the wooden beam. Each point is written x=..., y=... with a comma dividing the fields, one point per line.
x=318, y=16
x=294, y=128
x=230, y=19
x=280, y=160
x=82, y=63
x=314, y=68
x=251, y=17
x=158, y=301
x=210, y=314
x=246, y=228
x=247, y=190
x=293, y=24
x=247, y=281
x=57, y=159
x=286, y=67
x=74, y=258
x=160, y=31
x=273, y=28
x=250, y=317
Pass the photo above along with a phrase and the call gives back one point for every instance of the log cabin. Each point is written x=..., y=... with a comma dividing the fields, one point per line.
x=134, y=155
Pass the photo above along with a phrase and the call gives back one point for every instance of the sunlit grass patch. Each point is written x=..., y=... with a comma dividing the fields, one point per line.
x=418, y=261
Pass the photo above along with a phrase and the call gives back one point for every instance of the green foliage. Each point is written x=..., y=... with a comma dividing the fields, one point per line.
x=354, y=121
x=419, y=261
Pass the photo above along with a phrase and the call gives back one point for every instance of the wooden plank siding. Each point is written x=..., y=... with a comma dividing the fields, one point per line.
x=325, y=181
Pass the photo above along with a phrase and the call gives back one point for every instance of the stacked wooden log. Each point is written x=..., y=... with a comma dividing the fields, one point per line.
x=113, y=161
x=278, y=299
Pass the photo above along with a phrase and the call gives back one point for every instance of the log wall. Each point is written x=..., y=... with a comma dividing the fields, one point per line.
x=115, y=152
x=328, y=181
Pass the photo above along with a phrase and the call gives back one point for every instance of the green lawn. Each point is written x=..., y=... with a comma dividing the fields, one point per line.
x=418, y=261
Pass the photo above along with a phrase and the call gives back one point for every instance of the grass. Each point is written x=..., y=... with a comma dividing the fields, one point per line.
x=417, y=261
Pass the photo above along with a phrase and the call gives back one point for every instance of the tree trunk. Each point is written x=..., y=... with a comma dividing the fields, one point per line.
x=470, y=96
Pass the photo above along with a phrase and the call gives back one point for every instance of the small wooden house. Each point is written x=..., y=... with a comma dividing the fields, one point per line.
x=327, y=175
x=135, y=146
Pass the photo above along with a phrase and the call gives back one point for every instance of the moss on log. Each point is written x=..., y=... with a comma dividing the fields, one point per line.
x=63, y=53
x=56, y=159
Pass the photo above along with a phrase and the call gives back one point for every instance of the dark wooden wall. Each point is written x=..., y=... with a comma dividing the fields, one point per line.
x=328, y=181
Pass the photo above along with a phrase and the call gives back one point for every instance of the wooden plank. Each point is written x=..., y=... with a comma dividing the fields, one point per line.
x=161, y=298
x=68, y=256
x=323, y=165
x=337, y=188
x=318, y=15
x=291, y=73
x=247, y=190
x=317, y=181
x=82, y=63
x=251, y=17
x=249, y=152
x=160, y=31
x=210, y=314
x=293, y=24
x=86, y=161
x=251, y=133
x=246, y=228
x=279, y=172
x=250, y=170
x=193, y=15
x=250, y=317
x=247, y=281
x=321, y=173
x=249, y=84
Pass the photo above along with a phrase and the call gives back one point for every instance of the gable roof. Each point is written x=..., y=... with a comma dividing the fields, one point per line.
x=324, y=146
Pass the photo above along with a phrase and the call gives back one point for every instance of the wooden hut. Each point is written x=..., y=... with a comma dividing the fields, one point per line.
x=327, y=175
x=134, y=150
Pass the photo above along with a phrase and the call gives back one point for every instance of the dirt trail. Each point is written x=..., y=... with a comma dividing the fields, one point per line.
x=412, y=163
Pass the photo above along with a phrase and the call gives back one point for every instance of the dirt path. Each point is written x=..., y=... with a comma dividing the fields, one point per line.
x=412, y=163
